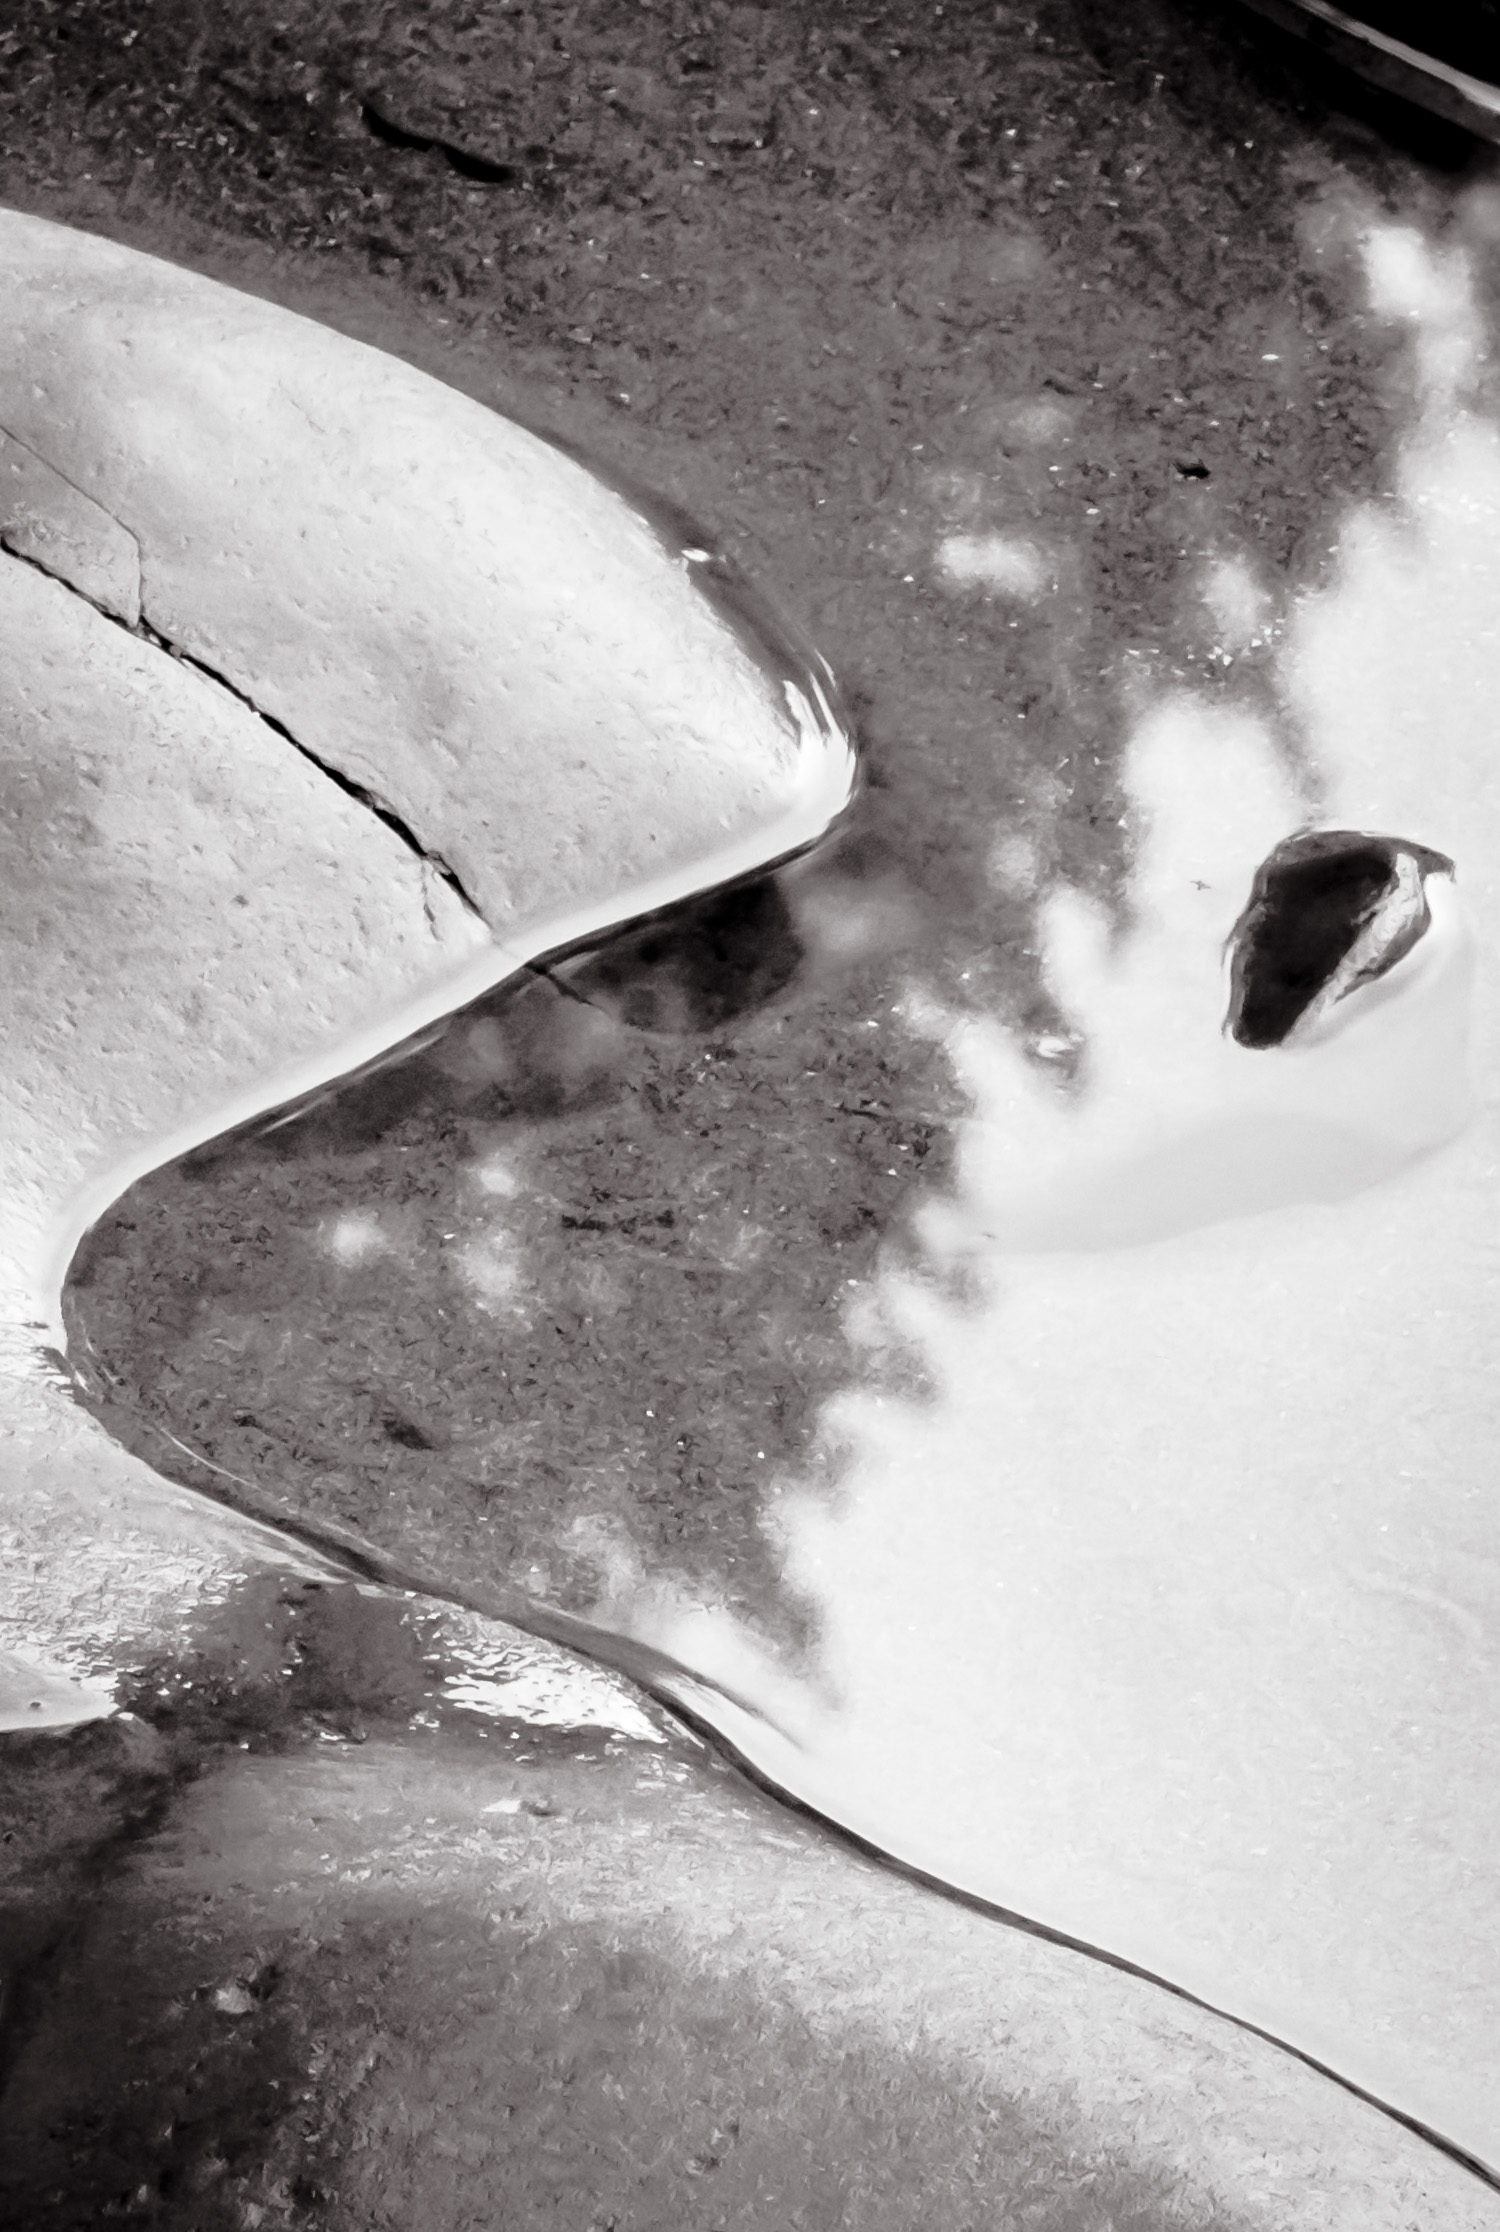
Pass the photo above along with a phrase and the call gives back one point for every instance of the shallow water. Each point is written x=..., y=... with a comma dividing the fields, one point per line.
x=897, y=1298
x=1192, y=1652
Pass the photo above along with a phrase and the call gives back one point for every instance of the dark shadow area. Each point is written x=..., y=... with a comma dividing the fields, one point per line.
x=71, y=1802
x=1335, y=98
x=478, y=167
x=297, y=2004
x=1463, y=33
x=697, y=970
x=134, y=2095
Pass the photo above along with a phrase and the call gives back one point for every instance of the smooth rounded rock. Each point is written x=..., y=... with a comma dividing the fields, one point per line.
x=448, y=610
x=330, y=698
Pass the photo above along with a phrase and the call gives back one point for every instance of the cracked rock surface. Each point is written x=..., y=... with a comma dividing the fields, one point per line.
x=425, y=596
x=186, y=902
x=1023, y=352
x=45, y=518
x=497, y=660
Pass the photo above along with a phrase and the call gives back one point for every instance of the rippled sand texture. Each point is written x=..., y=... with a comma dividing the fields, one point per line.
x=1172, y=1618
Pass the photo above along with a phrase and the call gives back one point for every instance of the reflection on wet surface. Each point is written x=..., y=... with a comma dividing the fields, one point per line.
x=1328, y=913
x=1205, y=1573
x=554, y=1296
x=886, y=1286
x=281, y=1660
x=1201, y=1495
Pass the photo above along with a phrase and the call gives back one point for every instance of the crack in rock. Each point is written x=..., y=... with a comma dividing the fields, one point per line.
x=48, y=519
x=60, y=540
x=371, y=800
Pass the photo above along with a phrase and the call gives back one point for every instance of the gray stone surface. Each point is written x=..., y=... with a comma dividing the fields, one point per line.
x=194, y=919
x=187, y=905
x=446, y=609
x=45, y=518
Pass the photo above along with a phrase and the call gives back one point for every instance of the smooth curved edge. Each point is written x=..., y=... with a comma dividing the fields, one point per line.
x=824, y=781
x=823, y=792
x=829, y=775
x=326, y=1551
x=698, y=1701
x=765, y=632
x=1390, y=63
x=826, y=787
